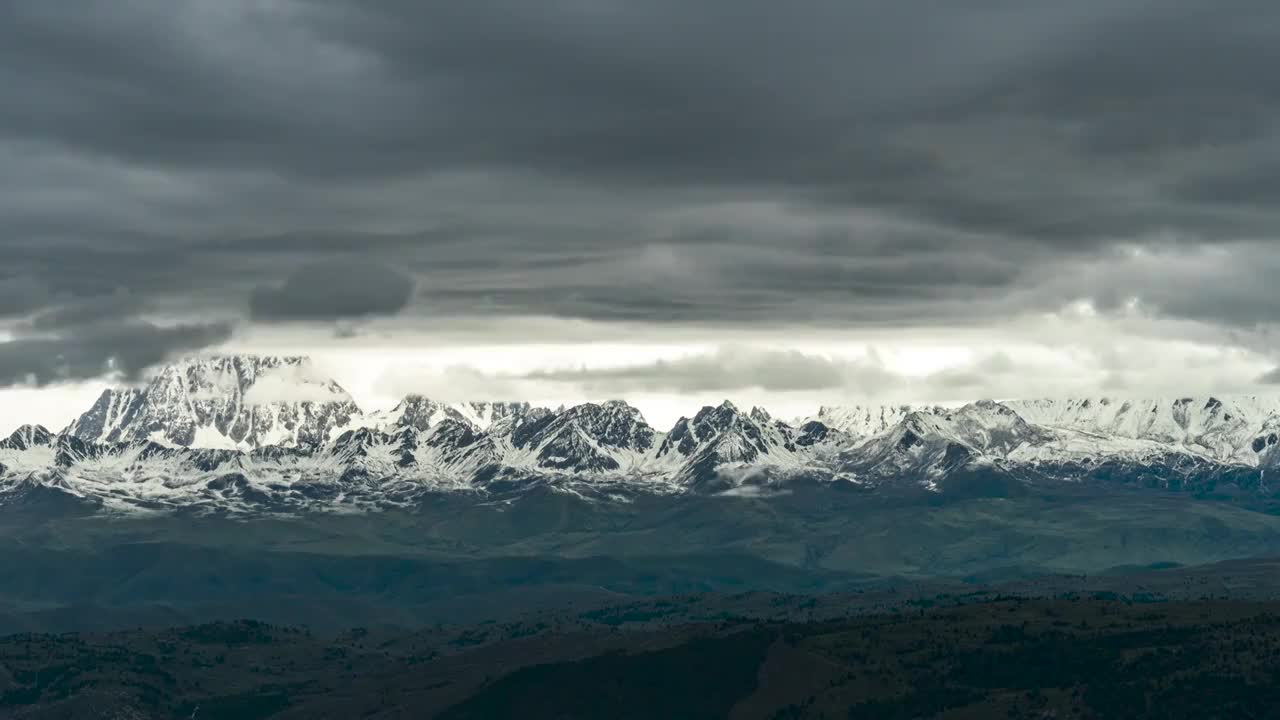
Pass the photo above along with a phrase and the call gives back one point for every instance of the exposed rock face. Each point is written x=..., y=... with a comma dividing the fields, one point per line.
x=26, y=437
x=589, y=437
x=722, y=431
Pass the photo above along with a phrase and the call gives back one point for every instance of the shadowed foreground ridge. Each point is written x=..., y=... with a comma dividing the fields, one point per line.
x=1076, y=656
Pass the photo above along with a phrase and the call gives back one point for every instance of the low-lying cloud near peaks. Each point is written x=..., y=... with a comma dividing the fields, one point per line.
x=728, y=369
x=679, y=381
x=740, y=370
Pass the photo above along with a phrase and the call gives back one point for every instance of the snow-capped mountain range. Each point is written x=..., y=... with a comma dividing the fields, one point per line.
x=247, y=433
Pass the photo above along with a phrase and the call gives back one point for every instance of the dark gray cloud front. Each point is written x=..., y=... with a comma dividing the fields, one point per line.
x=21, y=295
x=86, y=312
x=120, y=349
x=833, y=163
x=334, y=291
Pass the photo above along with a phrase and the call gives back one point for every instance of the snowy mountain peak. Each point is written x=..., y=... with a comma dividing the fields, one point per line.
x=452, y=433
x=1220, y=427
x=234, y=401
x=421, y=413
x=989, y=426
x=868, y=420
x=26, y=437
x=250, y=379
x=602, y=437
x=415, y=411
x=114, y=409
x=720, y=417
x=622, y=425
x=923, y=422
x=484, y=415
x=720, y=430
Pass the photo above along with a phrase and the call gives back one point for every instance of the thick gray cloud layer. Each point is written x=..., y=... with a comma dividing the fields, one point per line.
x=334, y=290
x=828, y=162
x=116, y=348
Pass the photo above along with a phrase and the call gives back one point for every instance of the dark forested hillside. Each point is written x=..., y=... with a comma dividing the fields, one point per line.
x=1008, y=658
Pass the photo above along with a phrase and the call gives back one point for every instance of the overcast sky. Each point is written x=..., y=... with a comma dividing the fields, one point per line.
x=667, y=201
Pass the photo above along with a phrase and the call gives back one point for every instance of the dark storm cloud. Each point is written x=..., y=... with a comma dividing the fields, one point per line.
x=87, y=311
x=827, y=162
x=333, y=291
x=122, y=348
x=21, y=295
x=1256, y=183
x=1215, y=285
